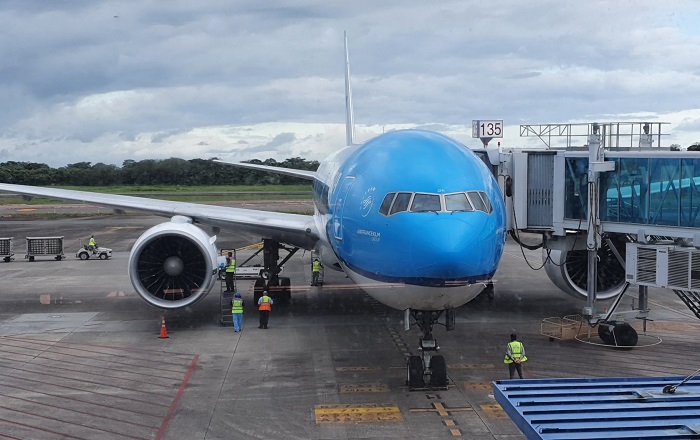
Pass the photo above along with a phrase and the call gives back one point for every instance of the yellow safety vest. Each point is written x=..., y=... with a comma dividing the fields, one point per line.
x=92, y=242
x=237, y=306
x=265, y=304
x=516, y=347
x=232, y=266
x=316, y=266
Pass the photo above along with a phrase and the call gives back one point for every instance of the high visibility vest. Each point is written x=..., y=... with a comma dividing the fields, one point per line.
x=316, y=266
x=231, y=265
x=516, y=347
x=265, y=304
x=237, y=306
x=92, y=242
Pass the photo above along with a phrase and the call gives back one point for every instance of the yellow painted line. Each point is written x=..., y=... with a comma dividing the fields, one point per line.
x=455, y=433
x=440, y=409
x=449, y=422
x=494, y=410
x=364, y=388
x=478, y=385
x=345, y=413
x=356, y=369
x=471, y=366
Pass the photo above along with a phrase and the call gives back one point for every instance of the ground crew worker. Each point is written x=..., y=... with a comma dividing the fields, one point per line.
x=515, y=356
x=237, y=305
x=264, y=308
x=91, y=244
x=230, y=271
x=315, y=271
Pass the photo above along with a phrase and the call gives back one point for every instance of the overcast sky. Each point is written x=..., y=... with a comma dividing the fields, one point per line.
x=105, y=81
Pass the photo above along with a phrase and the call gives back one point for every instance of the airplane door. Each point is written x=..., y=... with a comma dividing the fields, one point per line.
x=340, y=206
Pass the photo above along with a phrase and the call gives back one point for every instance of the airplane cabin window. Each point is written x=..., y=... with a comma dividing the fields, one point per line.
x=477, y=201
x=457, y=202
x=426, y=202
x=400, y=203
x=386, y=204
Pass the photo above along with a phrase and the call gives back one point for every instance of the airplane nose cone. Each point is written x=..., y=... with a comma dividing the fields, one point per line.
x=450, y=247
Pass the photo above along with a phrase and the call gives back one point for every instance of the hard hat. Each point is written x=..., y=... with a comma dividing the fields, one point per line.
x=237, y=295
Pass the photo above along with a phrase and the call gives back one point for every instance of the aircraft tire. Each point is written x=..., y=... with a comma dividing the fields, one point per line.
x=606, y=335
x=285, y=290
x=625, y=335
x=415, y=372
x=438, y=378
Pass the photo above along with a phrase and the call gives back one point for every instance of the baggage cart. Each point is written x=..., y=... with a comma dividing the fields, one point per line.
x=567, y=327
x=6, y=249
x=45, y=246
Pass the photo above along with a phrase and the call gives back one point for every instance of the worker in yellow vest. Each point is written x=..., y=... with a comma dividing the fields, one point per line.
x=515, y=356
x=230, y=271
x=315, y=271
x=91, y=244
x=237, y=305
x=264, y=308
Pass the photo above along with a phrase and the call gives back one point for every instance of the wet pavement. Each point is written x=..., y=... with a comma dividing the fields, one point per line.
x=81, y=357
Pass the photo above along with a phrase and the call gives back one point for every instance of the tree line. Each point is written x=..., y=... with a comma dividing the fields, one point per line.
x=173, y=171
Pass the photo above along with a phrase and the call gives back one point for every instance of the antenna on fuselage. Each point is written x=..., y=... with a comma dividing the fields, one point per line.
x=349, y=114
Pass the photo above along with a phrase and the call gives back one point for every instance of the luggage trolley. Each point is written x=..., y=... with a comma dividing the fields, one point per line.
x=319, y=281
x=6, y=249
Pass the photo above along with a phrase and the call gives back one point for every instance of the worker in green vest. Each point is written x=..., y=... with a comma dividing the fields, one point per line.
x=315, y=271
x=230, y=271
x=237, y=305
x=91, y=244
x=515, y=356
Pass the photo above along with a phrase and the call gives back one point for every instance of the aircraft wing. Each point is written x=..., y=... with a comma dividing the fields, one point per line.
x=293, y=229
x=302, y=174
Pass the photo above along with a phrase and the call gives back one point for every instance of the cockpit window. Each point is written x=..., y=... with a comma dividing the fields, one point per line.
x=457, y=202
x=400, y=203
x=386, y=204
x=480, y=203
x=426, y=202
x=423, y=202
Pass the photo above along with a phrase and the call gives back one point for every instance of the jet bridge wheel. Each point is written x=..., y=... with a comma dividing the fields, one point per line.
x=258, y=290
x=285, y=286
x=415, y=372
x=618, y=334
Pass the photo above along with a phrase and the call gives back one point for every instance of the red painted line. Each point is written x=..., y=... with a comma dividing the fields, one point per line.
x=173, y=406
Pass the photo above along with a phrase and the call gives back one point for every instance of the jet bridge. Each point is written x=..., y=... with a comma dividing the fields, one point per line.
x=592, y=191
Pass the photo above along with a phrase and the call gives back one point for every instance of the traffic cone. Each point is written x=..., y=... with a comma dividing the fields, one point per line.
x=163, y=331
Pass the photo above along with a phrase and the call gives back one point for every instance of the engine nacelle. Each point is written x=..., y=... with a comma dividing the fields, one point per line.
x=173, y=264
x=568, y=270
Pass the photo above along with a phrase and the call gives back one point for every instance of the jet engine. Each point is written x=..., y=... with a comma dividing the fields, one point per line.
x=173, y=264
x=568, y=269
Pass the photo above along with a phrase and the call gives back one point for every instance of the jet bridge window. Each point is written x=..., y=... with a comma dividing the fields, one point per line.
x=425, y=203
x=458, y=202
x=400, y=203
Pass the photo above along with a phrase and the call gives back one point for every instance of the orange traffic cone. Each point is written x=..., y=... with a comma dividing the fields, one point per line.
x=163, y=331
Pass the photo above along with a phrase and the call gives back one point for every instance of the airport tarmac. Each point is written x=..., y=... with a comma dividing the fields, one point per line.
x=81, y=357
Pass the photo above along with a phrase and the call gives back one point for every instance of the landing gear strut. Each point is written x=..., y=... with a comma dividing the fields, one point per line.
x=428, y=371
x=279, y=288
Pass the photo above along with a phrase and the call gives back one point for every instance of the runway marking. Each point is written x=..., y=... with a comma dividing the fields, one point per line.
x=115, y=294
x=357, y=412
x=494, y=410
x=440, y=409
x=471, y=366
x=355, y=369
x=364, y=388
x=477, y=385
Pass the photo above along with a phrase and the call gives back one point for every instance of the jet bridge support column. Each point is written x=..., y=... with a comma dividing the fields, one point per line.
x=596, y=165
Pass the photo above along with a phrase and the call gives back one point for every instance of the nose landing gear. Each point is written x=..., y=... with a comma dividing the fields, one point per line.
x=429, y=370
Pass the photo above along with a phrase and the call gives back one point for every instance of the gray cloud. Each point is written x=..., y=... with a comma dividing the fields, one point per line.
x=105, y=88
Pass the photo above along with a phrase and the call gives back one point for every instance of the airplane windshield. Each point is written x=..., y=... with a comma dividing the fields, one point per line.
x=394, y=203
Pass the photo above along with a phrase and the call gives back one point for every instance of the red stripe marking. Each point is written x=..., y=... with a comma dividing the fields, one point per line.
x=173, y=406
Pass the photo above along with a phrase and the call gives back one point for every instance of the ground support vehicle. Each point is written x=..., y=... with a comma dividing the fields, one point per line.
x=85, y=253
x=45, y=246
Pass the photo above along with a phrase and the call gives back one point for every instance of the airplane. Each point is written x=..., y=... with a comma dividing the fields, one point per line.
x=413, y=217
